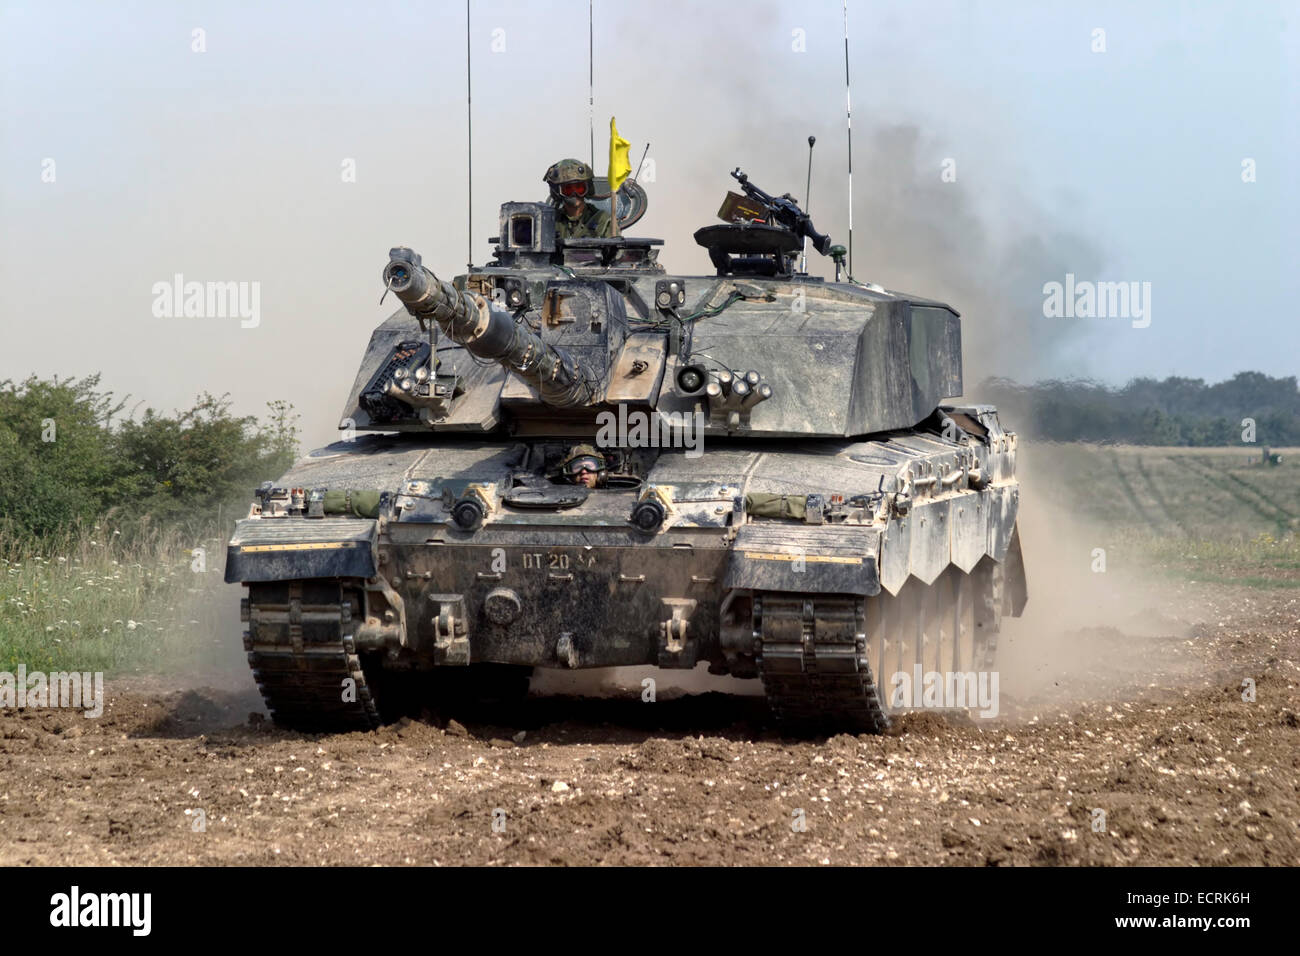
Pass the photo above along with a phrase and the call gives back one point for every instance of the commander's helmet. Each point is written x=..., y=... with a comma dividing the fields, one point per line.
x=570, y=179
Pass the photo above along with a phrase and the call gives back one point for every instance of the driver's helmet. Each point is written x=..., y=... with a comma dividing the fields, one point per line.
x=584, y=458
x=569, y=179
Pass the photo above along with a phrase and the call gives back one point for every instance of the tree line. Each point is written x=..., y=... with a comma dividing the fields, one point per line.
x=1148, y=411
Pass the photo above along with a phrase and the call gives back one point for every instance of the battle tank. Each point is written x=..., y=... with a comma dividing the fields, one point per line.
x=785, y=496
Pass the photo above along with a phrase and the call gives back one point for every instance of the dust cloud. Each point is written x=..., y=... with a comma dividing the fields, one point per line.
x=214, y=655
x=1087, y=634
x=912, y=233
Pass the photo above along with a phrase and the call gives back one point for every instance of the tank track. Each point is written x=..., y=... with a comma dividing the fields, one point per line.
x=823, y=659
x=811, y=652
x=299, y=643
x=826, y=660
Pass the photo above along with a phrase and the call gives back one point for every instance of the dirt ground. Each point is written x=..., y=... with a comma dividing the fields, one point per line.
x=1145, y=722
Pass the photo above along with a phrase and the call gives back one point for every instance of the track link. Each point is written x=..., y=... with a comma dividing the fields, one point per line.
x=811, y=652
x=299, y=643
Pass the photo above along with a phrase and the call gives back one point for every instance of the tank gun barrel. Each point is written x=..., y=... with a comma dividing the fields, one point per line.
x=489, y=331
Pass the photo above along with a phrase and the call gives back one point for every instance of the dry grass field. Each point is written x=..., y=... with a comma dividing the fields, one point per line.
x=1212, y=515
x=1174, y=492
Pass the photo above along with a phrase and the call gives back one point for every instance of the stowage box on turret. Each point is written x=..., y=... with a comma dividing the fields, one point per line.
x=588, y=462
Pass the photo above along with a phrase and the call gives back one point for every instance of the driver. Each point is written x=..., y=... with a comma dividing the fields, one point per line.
x=584, y=465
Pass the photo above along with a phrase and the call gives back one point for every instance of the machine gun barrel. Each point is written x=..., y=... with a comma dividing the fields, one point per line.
x=489, y=332
x=752, y=191
x=786, y=212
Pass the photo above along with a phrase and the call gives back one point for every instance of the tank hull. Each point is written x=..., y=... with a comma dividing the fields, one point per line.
x=903, y=568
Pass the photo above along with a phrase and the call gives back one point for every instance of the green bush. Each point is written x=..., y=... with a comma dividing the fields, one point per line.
x=182, y=469
x=65, y=461
x=58, y=464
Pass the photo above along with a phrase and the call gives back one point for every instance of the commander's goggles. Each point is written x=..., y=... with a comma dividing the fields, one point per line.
x=576, y=188
x=579, y=465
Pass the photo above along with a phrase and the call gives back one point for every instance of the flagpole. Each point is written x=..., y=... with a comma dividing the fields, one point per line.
x=613, y=193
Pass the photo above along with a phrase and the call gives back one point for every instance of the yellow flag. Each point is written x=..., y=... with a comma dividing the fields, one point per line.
x=619, y=166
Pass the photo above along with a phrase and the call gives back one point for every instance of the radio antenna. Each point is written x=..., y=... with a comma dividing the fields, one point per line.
x=848, y=125
x=807, y=203
x=469, y=144
x=591, y=81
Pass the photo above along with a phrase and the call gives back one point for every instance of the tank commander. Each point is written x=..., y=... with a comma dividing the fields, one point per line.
x=572, y=184
x=584, y=465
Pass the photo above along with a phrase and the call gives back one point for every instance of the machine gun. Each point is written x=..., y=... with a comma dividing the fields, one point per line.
x=784, y=211
x=762, y=235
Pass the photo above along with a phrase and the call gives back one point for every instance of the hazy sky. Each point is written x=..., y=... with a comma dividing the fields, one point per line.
x=229, y=165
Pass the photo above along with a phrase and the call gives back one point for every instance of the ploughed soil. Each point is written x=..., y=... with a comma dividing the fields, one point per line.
x=1145, y=723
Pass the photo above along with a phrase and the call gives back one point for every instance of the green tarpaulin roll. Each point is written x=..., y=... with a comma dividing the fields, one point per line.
x=360, y=504
x=776, y=506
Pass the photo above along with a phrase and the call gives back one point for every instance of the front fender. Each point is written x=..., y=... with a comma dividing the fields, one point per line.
x=275, y=549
